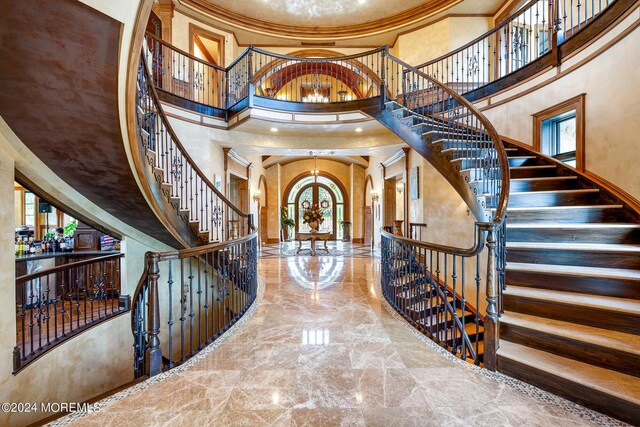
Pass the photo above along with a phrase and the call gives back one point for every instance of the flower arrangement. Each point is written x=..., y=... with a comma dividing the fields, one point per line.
x=313, y=214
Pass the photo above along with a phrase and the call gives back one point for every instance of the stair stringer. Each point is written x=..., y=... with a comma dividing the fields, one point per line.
x=413, y=135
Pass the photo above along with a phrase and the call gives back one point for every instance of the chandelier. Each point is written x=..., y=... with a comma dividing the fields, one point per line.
x=317, y=94
x=315, y=172
x=315, y=97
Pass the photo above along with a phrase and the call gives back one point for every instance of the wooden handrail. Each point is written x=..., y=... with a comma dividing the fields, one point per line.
x=67, y=266
x=501, y=209
x=182, y=52
x=477, y=247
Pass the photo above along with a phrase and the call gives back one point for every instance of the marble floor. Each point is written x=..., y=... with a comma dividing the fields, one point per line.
x=321, y=348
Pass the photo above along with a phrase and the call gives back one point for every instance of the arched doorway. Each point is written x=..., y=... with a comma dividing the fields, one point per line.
x=324, y=192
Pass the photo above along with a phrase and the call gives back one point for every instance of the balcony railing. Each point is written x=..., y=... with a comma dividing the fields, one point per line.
x=56, y=304
x=537, y=29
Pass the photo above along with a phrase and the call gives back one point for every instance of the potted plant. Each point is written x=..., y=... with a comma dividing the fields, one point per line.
x=286, y=223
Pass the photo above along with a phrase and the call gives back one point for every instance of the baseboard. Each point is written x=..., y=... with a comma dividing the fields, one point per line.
x=271, y=241
x=358, y=241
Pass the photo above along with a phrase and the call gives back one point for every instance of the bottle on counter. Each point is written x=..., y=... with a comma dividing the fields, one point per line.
x=32, y=246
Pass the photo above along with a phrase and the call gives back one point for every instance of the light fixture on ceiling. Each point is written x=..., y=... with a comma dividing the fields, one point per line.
x=315, y=97
x=315, y=171
x=362, y=1
x=274, y=129
x=358, y=130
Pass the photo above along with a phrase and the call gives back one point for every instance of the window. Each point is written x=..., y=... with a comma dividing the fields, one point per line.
x=558, y=132
x=559, y=137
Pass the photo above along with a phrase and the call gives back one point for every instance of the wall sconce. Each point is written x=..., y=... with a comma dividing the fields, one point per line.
x=256, y=196
x=400, y=186
x=374, y=196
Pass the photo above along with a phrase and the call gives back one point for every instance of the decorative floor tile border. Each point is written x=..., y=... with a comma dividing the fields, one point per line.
x=104, y=403
x=526, y=388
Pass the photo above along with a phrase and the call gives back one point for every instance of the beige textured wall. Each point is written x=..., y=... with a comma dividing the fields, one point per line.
x=612, y=108
x=439, y=38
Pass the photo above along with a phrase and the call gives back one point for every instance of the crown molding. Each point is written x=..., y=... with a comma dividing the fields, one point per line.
x=399, y=155
x=233, y=155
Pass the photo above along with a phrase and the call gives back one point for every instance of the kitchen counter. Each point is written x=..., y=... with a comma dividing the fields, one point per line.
x=74, y=254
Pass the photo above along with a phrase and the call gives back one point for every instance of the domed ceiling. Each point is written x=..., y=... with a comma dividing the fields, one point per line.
x=332, y=19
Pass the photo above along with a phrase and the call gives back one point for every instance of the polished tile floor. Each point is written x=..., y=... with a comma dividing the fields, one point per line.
x=321, y=348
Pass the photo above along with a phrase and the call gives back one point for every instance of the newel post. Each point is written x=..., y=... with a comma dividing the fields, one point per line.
x=250, y=85
x=491, y=327
x=383, y=78
x=154, y=353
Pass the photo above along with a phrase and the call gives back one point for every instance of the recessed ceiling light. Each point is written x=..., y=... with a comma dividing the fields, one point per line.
x=274, y=129
x=362, y=1
x=358, y=129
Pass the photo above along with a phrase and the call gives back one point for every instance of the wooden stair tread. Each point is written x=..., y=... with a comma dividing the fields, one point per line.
x=629, y=343
x=587, y=247
x=545, y=178
x=573, y=226
x=622, y=305
x=533, y=167
x=622, y=386
x=548, y=208
x=570, y=270
x=576, y=190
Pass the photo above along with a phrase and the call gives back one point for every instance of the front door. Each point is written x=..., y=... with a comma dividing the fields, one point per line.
x=321, y=195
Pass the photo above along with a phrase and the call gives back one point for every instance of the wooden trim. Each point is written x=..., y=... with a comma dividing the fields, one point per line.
x=627, y=198
x=358, y=241
x=272, y=241
x=316, y=53
x=576, y=103
x=511, y=7
x=283, y=30
x=196, y=32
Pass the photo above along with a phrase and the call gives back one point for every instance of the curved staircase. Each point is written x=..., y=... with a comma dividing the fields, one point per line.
x=571, y=321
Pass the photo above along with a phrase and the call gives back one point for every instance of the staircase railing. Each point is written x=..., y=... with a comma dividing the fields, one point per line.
x=465, y=137
x=206, y=210
x=536, y=29
x=207, y=288
x=197, y=294
x=458, y=138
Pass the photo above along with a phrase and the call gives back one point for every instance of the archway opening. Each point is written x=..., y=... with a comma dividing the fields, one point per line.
x=324, y=192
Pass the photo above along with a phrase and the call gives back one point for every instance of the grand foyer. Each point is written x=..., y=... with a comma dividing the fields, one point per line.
x=492, y=229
